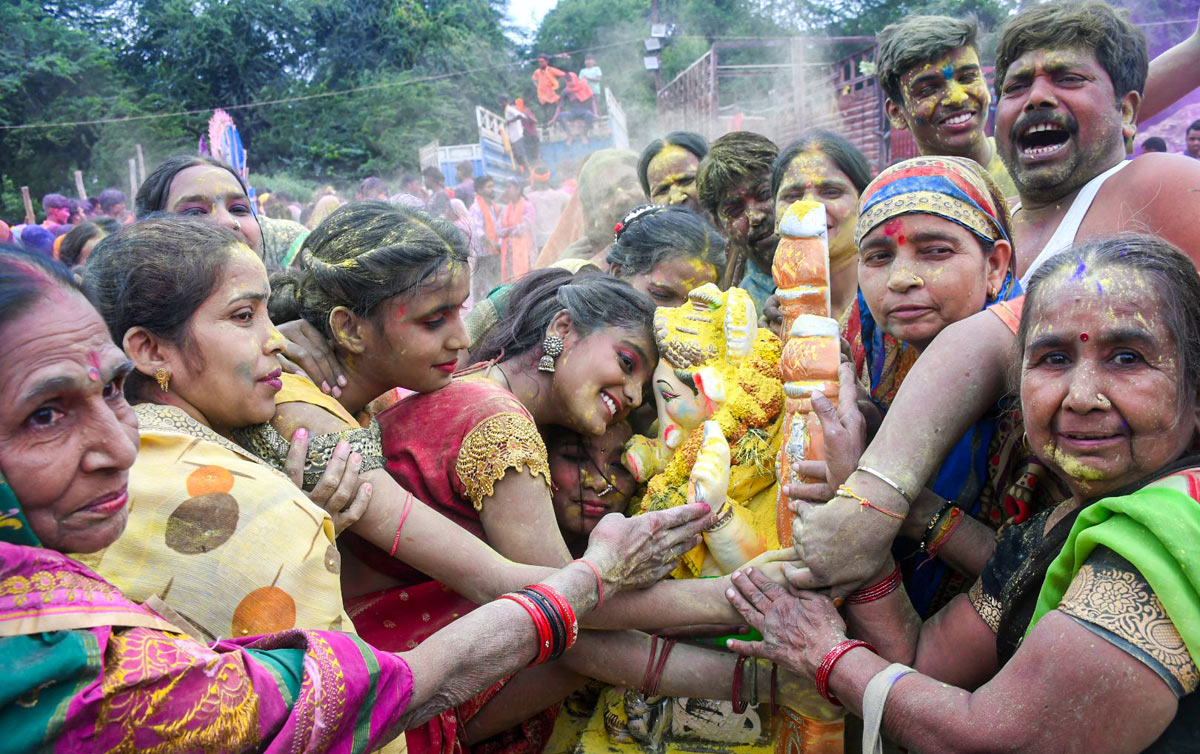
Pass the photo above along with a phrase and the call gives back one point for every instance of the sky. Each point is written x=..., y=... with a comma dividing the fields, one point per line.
x=527, y=14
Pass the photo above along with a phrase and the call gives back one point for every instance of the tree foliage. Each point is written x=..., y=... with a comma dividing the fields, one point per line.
x=107, y=59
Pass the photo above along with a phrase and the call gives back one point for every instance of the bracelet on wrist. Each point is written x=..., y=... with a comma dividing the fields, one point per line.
x=553, y=619
x=724, y=516
x=888, y=481
x=826, y=667
x=864, y=503
x=953, y=519
x=599, y=580
x=879, y=590
x=930, y=527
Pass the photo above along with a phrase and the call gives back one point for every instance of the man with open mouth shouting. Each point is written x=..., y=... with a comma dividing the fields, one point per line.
x=929, y=69
x=1070, y=77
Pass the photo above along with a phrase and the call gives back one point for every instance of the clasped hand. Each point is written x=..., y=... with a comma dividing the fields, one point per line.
x=798, y=629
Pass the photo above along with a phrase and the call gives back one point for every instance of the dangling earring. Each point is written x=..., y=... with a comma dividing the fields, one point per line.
x=991, y=294
x=552, y=348
x=163, y=377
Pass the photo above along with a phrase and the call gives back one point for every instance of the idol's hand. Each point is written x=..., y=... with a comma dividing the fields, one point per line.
x=798, y=631
x=633, y=553
x=709, y=482
x=774, y=564
x=307, y=352
x=644, y=457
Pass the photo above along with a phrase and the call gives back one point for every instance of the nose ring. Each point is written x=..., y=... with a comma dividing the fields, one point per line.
x=237, y=225
x=1103, y=400
x=608, y=489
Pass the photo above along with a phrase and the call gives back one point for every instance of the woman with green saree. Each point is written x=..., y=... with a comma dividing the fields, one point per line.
x=88, y=669
x=1083, y=631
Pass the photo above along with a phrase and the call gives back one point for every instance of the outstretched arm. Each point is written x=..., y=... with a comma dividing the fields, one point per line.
x=842, y=542
x=1172, y=76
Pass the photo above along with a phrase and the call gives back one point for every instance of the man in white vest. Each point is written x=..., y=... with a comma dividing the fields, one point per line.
x=1070, y=77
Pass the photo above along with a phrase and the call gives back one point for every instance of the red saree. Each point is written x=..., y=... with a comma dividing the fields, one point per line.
x=449, y=448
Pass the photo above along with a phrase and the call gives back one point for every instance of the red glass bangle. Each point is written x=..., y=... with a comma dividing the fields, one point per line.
x=599, y=580
x=650, y=666
x=564, y=609
x=826, y=667
x=880, y=590
x=540, y=624
x=655, y=673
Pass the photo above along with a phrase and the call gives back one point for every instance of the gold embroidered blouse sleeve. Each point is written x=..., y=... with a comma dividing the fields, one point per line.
x=498, y=443
x=1120, y=601
x=985, y=604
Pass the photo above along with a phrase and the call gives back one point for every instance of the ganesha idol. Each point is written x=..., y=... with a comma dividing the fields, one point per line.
x=720, y=401
x=715, y=365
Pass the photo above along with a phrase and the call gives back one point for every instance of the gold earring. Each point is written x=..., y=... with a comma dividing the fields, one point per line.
x=163, y=377
x=991, y=295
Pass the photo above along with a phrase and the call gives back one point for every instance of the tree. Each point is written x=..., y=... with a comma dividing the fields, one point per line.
x=48, y=72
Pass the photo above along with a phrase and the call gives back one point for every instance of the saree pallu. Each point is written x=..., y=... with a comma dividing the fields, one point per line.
x=220, y=537
x=1124, y=567
x=86, y=669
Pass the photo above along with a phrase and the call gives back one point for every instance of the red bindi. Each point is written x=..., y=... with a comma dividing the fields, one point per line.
x=895, y=227
x=1083, y=337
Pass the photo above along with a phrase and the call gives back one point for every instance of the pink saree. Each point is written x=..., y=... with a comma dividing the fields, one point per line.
x=88, y=670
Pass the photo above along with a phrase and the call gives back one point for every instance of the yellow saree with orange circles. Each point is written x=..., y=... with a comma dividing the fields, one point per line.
x=227, y=542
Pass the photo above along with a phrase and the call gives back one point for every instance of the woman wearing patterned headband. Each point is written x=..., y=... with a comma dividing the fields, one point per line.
x=933, y=238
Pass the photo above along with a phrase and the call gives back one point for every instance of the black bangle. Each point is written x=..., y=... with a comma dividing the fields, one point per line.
x=933, y=522
x=558, y=629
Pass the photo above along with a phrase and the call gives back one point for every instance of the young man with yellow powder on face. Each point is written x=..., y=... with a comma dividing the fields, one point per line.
x=928, y=67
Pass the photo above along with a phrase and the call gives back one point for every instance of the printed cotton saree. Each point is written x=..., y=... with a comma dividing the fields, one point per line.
x=223, y=539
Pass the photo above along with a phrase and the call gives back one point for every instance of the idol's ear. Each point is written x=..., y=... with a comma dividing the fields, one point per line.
x=711, y=386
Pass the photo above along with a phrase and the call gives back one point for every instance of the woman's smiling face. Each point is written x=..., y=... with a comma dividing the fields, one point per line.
x=598, y=378
x=1100, y=385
